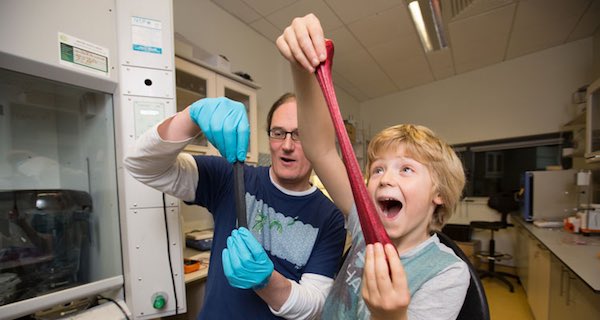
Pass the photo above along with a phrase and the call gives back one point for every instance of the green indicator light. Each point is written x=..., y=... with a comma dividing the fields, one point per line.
x=159, y=302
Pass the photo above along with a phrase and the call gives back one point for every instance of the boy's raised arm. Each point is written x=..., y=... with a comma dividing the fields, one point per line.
x=303, y=44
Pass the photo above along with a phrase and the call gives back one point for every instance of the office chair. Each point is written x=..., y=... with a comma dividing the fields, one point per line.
x=475, y=306
x=504, y=203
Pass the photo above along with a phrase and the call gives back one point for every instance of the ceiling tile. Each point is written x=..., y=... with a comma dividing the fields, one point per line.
x=378, y=87
x=239, y=9
x=480, y=40
x=362, y=71
x=403, y=62
x=360, y=9
x=395, y=50
x=540, y=24
x=266, y=7
x=343, y=64
x=342, y=83
x=344, y=42
x=383, y=26
x=378, y=50
x=283, y=17
x=410, y=72
x=480, y=6
x=441, y=63
x=265, y=28
x=589, y=23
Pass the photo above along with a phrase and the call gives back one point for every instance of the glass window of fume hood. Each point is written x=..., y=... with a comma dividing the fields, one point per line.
x=58, y=187
x=498, y=166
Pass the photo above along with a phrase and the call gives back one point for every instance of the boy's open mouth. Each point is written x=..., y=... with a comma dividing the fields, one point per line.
x=390, y=207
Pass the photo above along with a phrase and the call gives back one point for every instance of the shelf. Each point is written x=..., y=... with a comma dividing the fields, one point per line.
x=576, y=123
x=203, y=256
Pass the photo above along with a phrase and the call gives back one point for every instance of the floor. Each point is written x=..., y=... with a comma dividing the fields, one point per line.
x=504, y=304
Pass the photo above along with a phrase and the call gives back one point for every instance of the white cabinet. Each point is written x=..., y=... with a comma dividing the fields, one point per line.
x=538, y=294
x=561, y=306
x=553, y=291
x=474, y=209
x=195, y=82
x=521, y=250
x=570, y=298
x=586, y=302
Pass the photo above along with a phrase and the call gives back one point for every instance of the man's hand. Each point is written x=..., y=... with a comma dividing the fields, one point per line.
x=225, y=125
x=245, y=262
x=385, y=290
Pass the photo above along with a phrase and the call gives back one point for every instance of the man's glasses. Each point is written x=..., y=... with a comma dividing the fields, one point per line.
x=280, y=134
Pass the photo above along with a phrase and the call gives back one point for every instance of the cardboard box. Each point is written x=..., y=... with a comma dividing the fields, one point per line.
x=351, y=131
x=470, y=249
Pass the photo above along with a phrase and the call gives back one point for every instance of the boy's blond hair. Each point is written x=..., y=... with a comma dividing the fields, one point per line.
x=421, y=144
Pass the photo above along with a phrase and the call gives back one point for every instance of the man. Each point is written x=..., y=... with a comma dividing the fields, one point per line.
x=283, y=265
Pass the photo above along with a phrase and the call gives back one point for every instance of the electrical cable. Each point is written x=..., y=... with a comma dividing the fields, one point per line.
x=169, y=254
x=116, y=303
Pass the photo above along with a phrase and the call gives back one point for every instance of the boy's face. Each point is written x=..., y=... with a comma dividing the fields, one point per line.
x=403, y=192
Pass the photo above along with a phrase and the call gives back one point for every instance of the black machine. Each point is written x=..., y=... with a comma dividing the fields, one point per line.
x=45, y=238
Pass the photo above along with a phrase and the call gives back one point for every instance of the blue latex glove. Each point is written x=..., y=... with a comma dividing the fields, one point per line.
x=245, y=262
x=225, y=125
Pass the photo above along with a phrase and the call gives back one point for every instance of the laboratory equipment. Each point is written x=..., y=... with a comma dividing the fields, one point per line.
x=45, y=242
x=549, y=195
x=79, y=82
x=588, y=215
x=592, y=150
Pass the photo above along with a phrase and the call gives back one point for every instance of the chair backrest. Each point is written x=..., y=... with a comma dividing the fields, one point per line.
x=503, y=202
x=475, y=306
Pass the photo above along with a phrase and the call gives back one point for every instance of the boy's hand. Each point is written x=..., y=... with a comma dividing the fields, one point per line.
x=245, y=262
x=303, y=42
x=385, y=290
x=225, y=125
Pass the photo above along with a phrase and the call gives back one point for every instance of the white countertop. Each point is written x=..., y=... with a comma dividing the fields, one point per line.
x=579, y=253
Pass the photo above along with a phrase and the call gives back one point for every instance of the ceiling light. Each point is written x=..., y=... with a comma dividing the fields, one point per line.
x=427, y=17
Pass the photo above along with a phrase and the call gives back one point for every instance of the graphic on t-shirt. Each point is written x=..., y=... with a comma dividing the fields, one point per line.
x=285, y=237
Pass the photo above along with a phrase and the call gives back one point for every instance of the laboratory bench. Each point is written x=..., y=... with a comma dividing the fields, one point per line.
x=559, y=271
x=195, y=283
x=203, y=257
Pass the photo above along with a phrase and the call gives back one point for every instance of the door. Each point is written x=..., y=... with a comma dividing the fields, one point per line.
x=192, y=84
x=247, y=96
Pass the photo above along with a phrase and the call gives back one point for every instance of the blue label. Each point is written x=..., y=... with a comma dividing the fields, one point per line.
x=139, y=47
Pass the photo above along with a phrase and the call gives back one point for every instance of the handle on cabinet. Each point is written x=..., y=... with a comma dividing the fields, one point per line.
x=569, y=279
x=562, y=275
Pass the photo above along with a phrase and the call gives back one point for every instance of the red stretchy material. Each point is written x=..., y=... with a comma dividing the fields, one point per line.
x=370, y=223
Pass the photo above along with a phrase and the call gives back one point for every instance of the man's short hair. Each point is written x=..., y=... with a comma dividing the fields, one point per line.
x=283, y=99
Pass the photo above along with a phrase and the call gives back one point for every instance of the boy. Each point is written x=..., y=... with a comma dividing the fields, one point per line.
x=415, y=181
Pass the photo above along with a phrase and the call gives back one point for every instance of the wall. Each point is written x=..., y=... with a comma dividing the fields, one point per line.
x=596, y=65
x=524, y=96
x=218, y=32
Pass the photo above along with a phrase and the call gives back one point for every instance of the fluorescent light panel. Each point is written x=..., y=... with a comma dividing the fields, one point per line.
x=428, y=23
x=415, y=12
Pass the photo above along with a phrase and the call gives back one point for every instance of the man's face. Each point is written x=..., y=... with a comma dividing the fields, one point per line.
x=290, y=167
